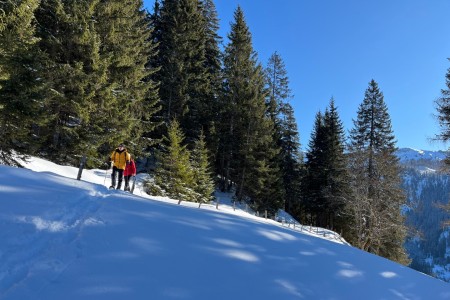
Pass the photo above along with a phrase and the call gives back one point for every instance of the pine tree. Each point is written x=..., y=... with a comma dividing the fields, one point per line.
x=131, y=94
x=338, y=191
x=73, y=72
x=20, y=87
x=315, y=178
x=204, y=183
x=247, y=150
x=285, y=133
x=443, y=109
x=211, y=109
x=379, y=225
x=183, y=75
x=174, y=175
x=97, y=69
x=326, y=184
x=292, y=161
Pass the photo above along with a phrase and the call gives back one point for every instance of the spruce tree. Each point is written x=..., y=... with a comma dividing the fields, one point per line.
x=247, y=149
x=73, y=73
x=379, y=225
x=130, y=97
x=97, y=70
x=338, y=190
x=315, y=178
x=210, y=109
x=326, y=184
x=174, y=175
x=443, y=110
x=183, y=75
x=292, y=165
x=204, y=183
x=285, y=133
x=20, y=86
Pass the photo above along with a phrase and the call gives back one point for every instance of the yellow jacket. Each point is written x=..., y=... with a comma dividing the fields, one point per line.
x=120, y=158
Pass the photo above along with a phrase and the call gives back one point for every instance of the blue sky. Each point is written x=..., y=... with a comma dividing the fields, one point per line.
x=334, y=48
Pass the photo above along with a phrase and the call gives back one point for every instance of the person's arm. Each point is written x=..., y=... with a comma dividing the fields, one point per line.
x=133, y=165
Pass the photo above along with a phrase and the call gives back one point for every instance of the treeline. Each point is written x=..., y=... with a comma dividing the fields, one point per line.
x=78, y=77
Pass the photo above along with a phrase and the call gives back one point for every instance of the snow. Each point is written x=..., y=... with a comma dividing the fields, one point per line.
x=409, y=154
x=66, y=239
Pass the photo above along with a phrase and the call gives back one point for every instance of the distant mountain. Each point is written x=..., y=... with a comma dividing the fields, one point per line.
x=427, y=188
x=409, y=154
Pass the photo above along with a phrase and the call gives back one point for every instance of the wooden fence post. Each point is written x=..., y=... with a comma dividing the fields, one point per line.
x=80, y=170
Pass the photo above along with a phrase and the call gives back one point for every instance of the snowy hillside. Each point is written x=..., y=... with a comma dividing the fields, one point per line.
x=66, y=239
x=427, y=189
x=409, y=154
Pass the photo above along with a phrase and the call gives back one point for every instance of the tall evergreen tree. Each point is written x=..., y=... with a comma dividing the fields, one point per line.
x=315, y=179
x=326, y=183
x=184, y=90
x=443, y=110
x=379, y=225
x=277, y=85
x=247, y=148
x=285, y=133
x=292, y=165
x=131, y=93
x=73, y=71
x=20, y=87
x=338, y=191
x=210, y=109
x=99, y=94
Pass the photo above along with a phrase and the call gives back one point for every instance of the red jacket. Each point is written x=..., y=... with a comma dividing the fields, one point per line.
x=130, y=169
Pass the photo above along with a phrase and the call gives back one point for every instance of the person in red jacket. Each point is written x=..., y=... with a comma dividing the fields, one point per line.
x=130, y=170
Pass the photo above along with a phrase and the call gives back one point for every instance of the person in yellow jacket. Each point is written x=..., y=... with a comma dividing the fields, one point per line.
x=119, y=159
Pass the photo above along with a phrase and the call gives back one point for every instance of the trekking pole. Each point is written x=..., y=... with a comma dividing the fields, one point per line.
x=106, y=175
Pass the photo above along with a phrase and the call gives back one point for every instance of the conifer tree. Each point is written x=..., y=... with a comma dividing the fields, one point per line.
x=247, y=148
x=20, y=87
x=443, y=109
x=73, y=73
x=210, y=108
x=326, y=184
x=184, y=89
x=315, y=177
x=125, y=32
x=204, y=183
x=174, y=175
x=277, y=85
x=285, y=133
x=99, y=92
x=338, y=190
x=379, y=225
x=292, y=161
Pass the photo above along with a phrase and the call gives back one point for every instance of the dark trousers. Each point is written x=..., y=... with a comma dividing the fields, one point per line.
x=127, y=180
x=119, y=173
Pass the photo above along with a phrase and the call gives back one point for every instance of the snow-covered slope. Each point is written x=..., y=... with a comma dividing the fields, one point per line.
x=427, y=188
x=409, y=154
x=66, y=239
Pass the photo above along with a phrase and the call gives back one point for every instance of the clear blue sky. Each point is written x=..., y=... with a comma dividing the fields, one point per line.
x=334, y=48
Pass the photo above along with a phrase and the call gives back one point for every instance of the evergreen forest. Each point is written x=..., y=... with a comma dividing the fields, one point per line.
x=78, y=77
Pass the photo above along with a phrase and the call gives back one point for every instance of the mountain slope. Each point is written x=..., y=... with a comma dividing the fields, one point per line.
x=427, y=189
x=68, y=239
